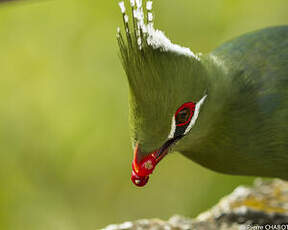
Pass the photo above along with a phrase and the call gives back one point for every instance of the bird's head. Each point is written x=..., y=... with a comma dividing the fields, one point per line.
x=167, y=89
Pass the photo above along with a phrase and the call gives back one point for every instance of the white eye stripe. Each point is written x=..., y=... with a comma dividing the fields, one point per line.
x=173, y=128
x=192, y=122
x=195, y=116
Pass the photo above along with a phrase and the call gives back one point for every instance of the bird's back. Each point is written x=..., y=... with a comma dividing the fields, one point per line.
x=263, y=54
x=251, y=136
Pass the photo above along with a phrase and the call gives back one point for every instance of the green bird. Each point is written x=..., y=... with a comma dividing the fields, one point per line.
x=226, y=110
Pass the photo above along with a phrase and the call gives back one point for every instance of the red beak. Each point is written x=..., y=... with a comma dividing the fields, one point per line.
x=142, y=168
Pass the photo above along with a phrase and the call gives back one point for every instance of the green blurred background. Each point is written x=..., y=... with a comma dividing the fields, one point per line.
x=65, y=157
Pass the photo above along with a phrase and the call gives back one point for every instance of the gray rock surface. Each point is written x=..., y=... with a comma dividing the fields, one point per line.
x=263, y=206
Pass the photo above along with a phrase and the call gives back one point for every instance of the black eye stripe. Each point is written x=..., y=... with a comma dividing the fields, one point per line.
x=180, y=130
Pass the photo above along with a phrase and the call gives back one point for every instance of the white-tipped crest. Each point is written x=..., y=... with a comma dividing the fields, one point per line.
x=139, y=42
x=122, y=7
x=155, y=38
x=149, y=5
x=139, y=3
x=126, y=18
x=150, y=17
x=132, y=3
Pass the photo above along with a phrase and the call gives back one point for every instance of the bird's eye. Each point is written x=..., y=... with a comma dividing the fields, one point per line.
x=184, y=119
x=182, y=116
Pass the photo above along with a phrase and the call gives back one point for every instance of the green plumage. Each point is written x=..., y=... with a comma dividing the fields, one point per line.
x=249, y=136
x=243, y=125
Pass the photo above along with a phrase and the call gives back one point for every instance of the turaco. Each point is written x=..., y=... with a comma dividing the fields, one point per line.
x=226, y=110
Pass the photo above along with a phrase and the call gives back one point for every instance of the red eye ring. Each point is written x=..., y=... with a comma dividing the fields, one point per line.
x=190, y=106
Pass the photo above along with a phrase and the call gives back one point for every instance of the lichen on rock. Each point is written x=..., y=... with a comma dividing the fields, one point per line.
x=266, y=203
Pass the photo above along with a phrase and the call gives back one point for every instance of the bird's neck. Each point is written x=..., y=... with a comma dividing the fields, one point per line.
x=217, y=88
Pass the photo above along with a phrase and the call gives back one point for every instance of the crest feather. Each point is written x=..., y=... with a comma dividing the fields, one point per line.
x=144, y=35
x=141, y=44
x=151, y=61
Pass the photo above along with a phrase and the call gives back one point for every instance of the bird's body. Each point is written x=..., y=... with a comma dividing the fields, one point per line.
x=247, y=132
x=226, y=110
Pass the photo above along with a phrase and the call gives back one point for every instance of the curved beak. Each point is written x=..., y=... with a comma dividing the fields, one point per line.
x=144, y=164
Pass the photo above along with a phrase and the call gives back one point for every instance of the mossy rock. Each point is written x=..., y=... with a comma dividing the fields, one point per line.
x=264, y=204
